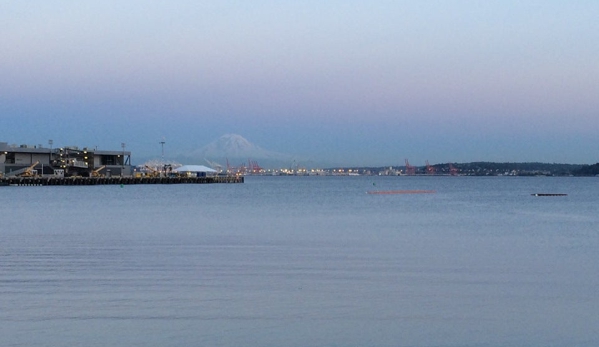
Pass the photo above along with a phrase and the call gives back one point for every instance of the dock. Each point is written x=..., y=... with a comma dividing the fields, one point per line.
x=92, y=181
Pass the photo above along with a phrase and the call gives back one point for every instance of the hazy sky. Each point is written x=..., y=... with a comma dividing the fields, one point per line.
x=354, y=82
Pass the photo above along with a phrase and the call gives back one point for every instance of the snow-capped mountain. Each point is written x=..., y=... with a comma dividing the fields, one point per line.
x=236, y=148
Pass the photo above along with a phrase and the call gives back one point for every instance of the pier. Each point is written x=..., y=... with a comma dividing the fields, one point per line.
x=92, y=181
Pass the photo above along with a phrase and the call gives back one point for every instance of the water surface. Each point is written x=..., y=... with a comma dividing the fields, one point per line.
x=302, y=261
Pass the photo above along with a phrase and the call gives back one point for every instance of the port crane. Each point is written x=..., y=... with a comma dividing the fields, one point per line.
x=410, y=170
x=430, y=170
x=253, y=167
x=237, y=171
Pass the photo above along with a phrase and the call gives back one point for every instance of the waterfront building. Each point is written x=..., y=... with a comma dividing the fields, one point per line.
x=62, y=161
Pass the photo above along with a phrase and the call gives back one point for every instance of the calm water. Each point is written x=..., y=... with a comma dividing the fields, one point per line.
x=302, y=261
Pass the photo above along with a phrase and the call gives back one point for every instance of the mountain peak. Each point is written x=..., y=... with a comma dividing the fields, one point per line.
x=236, y=147
x=233, y=142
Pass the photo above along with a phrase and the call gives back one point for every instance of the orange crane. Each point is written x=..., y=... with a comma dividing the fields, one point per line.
x=410, y=170
x=254, y=167
x=430, y=170
x=237, y=171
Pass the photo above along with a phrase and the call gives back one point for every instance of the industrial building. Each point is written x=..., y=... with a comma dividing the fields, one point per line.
x=69, y=161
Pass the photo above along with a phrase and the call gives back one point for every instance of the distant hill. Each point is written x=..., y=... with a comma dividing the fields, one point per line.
x=587, y=170
x=533, y=168
x=497, y=169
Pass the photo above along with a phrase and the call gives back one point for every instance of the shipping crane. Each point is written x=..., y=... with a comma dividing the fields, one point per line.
x=430, y=170
x=253, y=167
x=410, y=170
x=237, y=171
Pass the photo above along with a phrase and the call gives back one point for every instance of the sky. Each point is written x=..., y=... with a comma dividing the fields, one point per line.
x=347, y=82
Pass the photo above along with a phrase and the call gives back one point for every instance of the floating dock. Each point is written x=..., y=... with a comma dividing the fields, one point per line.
x=92, y=181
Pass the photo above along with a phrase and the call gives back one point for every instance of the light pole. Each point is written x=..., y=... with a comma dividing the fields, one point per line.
x=162, y=145
x=50, y=142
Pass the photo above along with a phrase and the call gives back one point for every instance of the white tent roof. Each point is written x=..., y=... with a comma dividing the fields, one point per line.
x=194, y=168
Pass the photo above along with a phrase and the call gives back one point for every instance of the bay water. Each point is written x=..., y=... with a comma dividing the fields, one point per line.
x=302, y=261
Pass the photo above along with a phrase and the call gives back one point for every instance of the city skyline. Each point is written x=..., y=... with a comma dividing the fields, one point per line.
x=347, y=82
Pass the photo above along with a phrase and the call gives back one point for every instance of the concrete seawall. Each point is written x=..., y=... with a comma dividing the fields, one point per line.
x=91, y=181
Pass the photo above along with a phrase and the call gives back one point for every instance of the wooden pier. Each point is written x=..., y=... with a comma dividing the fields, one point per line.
x=92, y=181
